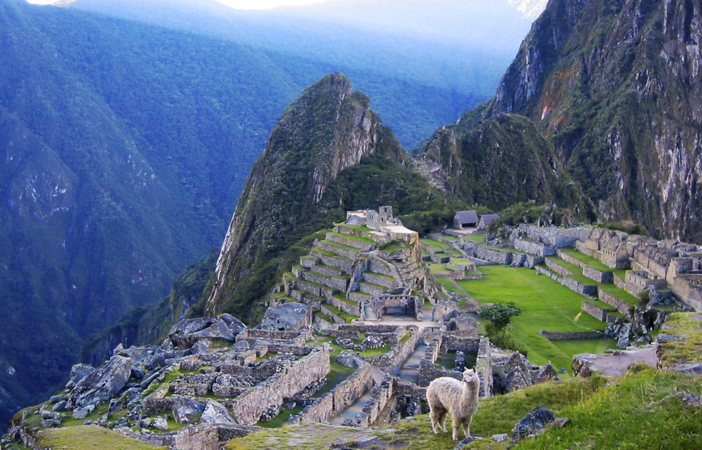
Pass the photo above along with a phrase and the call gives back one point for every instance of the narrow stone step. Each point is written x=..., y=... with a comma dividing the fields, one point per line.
x=330, y=271
x=370, y=288
x=339, y=249
x=386, y=281
x=358, y=296
x=351, y=241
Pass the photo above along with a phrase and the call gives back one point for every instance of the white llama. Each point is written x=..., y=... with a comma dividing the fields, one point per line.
x=460, y=398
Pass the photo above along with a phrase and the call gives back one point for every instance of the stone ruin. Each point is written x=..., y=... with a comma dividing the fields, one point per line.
x=220, y=378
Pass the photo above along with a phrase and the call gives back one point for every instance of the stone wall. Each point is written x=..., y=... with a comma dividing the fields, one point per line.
x=597, y=275
x=196, y=437
x=284, y=384
x=339, y=398
x=567, y=258
x=557, y=268
x=361, y=328
x=199, y=437
x=450, y=342
x=337, y=283
x=341, y=251
x=534, y=248
x=532, y=261
x=351, y=242
x=611, y=300
x=554, y=336
x=595, y=311
x=495, y=256
x=483, y=365
x=344, y=264
x=569, y=282
x=583, y=248
x=556, y=236
x=380, y=279
x=346, y=307
x=292, y=337
x=380, y=397
x=618, y=282
x=397, y=354
x=332, y=315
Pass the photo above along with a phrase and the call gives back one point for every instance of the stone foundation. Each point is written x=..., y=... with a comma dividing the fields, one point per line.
x=338, y=399
x=284, y=384
x=554, y=336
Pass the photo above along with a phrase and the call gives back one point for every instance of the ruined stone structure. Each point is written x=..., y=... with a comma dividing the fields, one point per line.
x=654, y=264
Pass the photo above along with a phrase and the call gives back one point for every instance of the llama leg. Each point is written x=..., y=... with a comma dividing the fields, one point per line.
x=466, y=426
x=456, y=423
x=443, y=421
x=435, y=419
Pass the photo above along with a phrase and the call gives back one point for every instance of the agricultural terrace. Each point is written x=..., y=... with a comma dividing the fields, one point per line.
x=546, y=305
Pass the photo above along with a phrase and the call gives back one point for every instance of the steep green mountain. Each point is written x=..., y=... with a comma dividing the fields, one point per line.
x=498, y=162
x=614, y=87
x=124, y=148
x=328, y=153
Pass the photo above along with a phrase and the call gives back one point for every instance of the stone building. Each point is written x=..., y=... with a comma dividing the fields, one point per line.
x=486, y=220
x=465, y=219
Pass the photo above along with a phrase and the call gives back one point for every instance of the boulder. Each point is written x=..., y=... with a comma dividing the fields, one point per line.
x=235, y=325
x=180, y=333
x=78, y=372
x=102, y=384
x=466, y=442
x=187, y=335
x=287, y=317
x=60, y=406
x=688, y=369
x=582, y=364
x=185, y=409
x=216, y=414
x=533, y=423
x=82, y=413
x=160, y=423
x=201, y=348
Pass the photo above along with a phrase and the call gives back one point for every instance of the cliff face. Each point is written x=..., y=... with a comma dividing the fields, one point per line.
x=615, y=86
x=327, y=129
x=498, y=162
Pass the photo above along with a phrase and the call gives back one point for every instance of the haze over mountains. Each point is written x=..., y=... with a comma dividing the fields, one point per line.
x=126, y=144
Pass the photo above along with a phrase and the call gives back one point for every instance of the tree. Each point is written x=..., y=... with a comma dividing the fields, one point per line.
x=499, y=316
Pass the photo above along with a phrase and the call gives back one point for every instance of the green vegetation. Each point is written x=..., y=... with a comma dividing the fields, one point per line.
x=545, y=305
x=498, y=316
x=434, y=245
x=682, y=351
x=587, y=259
x=89, y=437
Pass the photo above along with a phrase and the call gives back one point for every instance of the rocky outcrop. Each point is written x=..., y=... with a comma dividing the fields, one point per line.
x=102, y=383
x=623, y=110
x=187, y=333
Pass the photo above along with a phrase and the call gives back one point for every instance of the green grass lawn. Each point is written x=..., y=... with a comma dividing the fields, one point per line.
x=478, y=236
x=610, y=288
x=89, y=437
x=587, y=259
x=546, y=305
x=434, y=245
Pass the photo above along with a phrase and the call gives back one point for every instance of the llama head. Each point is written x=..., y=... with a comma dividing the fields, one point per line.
x=470, y=376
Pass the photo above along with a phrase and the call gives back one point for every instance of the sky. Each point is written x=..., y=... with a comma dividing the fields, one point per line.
x=267, y=4
x=238, y=4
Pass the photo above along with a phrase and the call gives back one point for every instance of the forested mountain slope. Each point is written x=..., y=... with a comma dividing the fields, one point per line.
x=423, y=63
x=329, y=153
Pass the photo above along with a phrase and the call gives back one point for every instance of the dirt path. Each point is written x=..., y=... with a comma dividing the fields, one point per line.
x=617, y=363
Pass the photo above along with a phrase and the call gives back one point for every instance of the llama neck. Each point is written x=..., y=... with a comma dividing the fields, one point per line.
x=470, y=392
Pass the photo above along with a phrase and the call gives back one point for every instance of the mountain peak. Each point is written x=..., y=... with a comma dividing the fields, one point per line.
x=326, y=130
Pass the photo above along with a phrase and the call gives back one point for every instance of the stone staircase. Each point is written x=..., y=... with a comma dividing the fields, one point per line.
x=342, y=272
